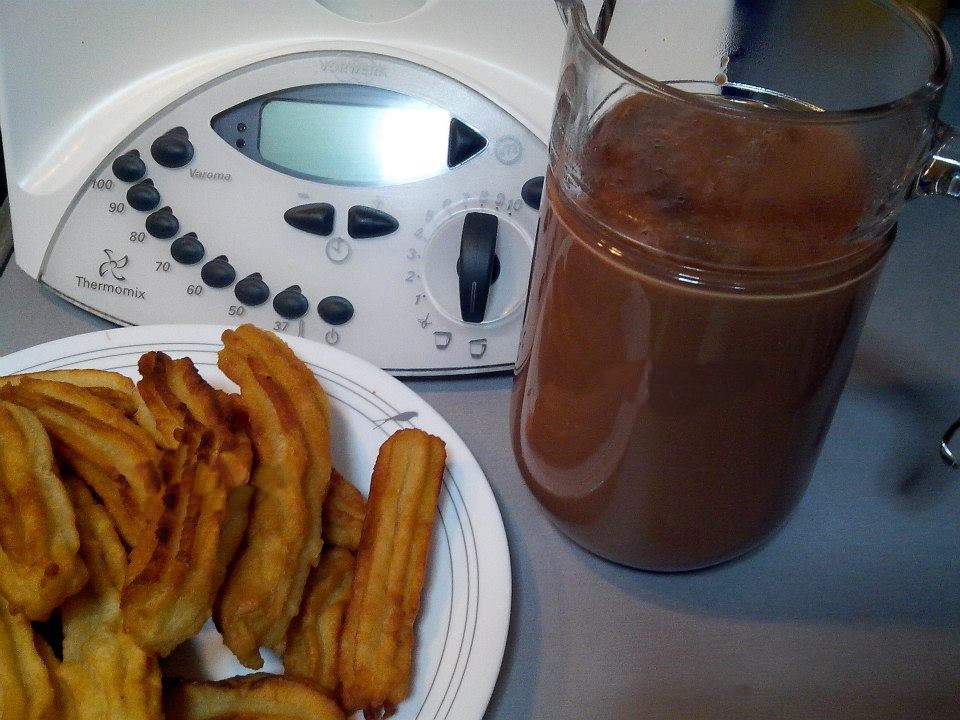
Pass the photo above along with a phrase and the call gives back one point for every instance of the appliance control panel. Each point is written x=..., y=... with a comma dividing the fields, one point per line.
x=356, y=199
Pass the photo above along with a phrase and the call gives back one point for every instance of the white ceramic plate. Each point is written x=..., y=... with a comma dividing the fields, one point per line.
x=466, y=605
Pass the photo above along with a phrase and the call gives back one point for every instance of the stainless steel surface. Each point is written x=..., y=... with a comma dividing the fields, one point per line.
x=851, y=611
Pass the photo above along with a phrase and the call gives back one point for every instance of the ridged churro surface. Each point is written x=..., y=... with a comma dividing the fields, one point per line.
x=376, y=652
x=108, y=450
x=289, y=421
x=40, y=564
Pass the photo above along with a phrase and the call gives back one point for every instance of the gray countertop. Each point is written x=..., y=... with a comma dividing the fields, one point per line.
x=851, y=611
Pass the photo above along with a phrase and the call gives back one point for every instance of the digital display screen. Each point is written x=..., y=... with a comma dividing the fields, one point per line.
x=356, y=143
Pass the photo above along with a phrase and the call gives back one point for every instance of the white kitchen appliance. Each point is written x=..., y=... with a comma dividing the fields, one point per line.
x=365, y=174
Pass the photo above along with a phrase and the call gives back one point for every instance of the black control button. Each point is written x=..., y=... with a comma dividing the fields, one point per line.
x=464, y=142
x=187, y=249
x=163, y=224
x=335, y=310
x=367, y=222
x=129, y=167
x=143, y=196
x=252, y=290
x=532, y=192
x=476, y=264
x=316, y=218
x=218, y=273
x=291, y=303
x=173, y=149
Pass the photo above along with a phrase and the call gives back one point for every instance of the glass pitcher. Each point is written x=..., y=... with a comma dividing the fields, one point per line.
x=724, y=183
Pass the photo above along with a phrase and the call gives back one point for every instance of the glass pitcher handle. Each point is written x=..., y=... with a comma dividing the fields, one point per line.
x=940, y=174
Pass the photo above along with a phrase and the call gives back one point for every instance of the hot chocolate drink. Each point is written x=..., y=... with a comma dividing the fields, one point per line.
x=699, y=283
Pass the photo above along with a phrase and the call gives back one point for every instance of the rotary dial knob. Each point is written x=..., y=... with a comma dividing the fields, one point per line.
x=476, y=266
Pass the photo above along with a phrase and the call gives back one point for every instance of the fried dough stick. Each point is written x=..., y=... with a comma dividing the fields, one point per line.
x=108, y=450
x=114, y=388
x=343, y=512
x=376, y=650
x=26, y=689
x=178, y=565
x=110, y=386
x=288, y=414
x=172, y=389
x=254, y=594
x=250, y=697
x=39, y=561
x=313, y=641
x=100, y=546
x=104, y=674
x=268, y=354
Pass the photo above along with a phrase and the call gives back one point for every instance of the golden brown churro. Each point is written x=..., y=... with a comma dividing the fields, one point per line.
x=313, y=640
x=289, y=419
x=26, y=690
x=100, y=546
x=39, y=561
x=179, y=563
x=110, y=452
x=172, y=389
x=112, y=387
x=250, y=697
x=104, y=674
x=376, y=652
x=343, y=512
